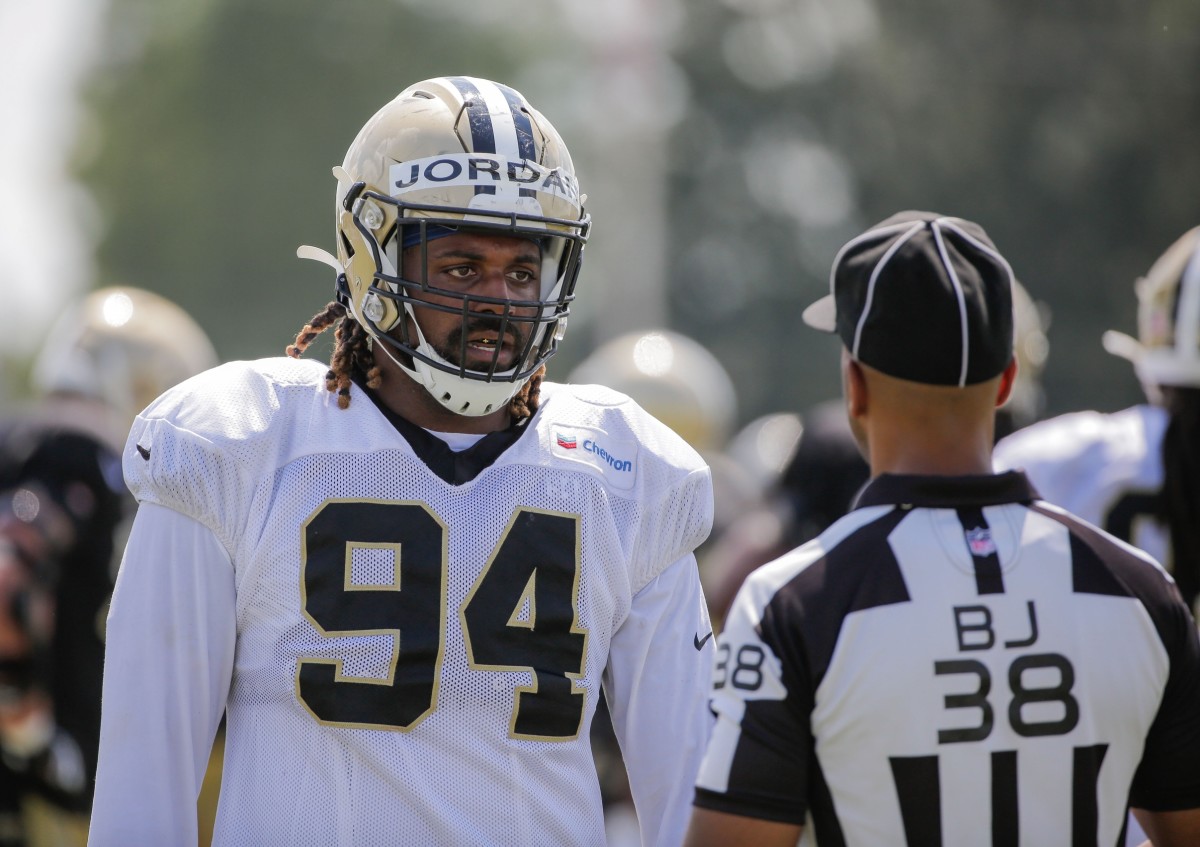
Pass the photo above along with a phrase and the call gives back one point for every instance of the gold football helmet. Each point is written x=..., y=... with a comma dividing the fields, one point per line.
x=447, y=154
x=1167, y=349
x=672, y=377
x=124, y=346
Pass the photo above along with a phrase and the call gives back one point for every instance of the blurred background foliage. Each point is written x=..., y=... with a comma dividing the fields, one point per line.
x=728, y=148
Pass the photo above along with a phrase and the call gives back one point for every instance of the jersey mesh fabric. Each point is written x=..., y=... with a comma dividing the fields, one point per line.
x=274, y=468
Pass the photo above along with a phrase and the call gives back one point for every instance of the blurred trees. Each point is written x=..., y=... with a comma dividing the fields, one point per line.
x=1067, y=130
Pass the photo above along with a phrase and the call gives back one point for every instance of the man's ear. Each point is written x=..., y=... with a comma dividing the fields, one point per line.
x=854, y=386
x=1007, y=380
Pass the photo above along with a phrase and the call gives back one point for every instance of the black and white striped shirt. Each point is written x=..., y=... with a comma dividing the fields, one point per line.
x=956, y=662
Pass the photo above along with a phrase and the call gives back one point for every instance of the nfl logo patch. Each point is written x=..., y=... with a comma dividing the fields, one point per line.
x=566, y=441
x=979, y=540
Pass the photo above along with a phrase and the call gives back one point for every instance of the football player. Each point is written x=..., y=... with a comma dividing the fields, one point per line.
x=405, y=576
x=1136, y=472
x=815, y=488
x=64, y=512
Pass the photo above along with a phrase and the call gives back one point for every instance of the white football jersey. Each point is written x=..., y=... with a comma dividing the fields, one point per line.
x=412, y=640
x=1104, y=468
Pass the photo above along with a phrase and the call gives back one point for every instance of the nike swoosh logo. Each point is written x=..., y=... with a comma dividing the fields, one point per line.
x=699, y=642
x=144, y=452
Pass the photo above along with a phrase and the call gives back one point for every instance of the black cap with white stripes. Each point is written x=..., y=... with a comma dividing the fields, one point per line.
x=922, y=297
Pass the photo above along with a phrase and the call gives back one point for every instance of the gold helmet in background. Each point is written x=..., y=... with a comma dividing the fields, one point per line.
x=124, y=346
x=1167, y=349
x=673, y=378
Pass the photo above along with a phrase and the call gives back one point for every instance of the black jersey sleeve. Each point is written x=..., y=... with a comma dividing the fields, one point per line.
x=1167, y=778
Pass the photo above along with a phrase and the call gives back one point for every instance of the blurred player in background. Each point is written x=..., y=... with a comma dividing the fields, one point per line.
x=679, y=381
x=1031, y=349
x=815, y=488
x=673, y=377
x=1136, y=472
x=763, y=449
x=64, y=513
x=406, y=575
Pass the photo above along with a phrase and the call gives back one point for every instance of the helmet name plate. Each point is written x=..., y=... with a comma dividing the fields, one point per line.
x=481, y=170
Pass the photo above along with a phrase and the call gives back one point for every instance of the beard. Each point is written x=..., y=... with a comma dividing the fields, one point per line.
x=505, y=354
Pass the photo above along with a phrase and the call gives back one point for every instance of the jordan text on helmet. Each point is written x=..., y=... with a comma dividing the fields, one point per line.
x=481, y=169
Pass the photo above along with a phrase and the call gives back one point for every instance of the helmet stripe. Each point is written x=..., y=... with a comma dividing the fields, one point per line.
x=526, y=148
x=500, y=114
x=497, y=123
x=483, y=139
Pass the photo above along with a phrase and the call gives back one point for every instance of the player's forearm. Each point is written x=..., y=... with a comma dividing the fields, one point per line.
x=719, y=829
x=1170, y=829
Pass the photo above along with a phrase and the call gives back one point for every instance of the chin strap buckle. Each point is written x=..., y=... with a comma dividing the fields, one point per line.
x=341, y=291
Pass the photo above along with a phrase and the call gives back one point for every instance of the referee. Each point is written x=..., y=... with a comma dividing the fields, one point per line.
x=955, y=662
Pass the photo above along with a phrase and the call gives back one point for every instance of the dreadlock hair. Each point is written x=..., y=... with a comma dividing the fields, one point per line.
x=352, y=351
x=1181, y=487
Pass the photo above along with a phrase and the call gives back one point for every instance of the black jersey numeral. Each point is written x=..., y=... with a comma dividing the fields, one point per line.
x=747, y=671
x=1059, y=719
x=410, y=608
x=977, y=699
x=1058, y=693
x=522, y=614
